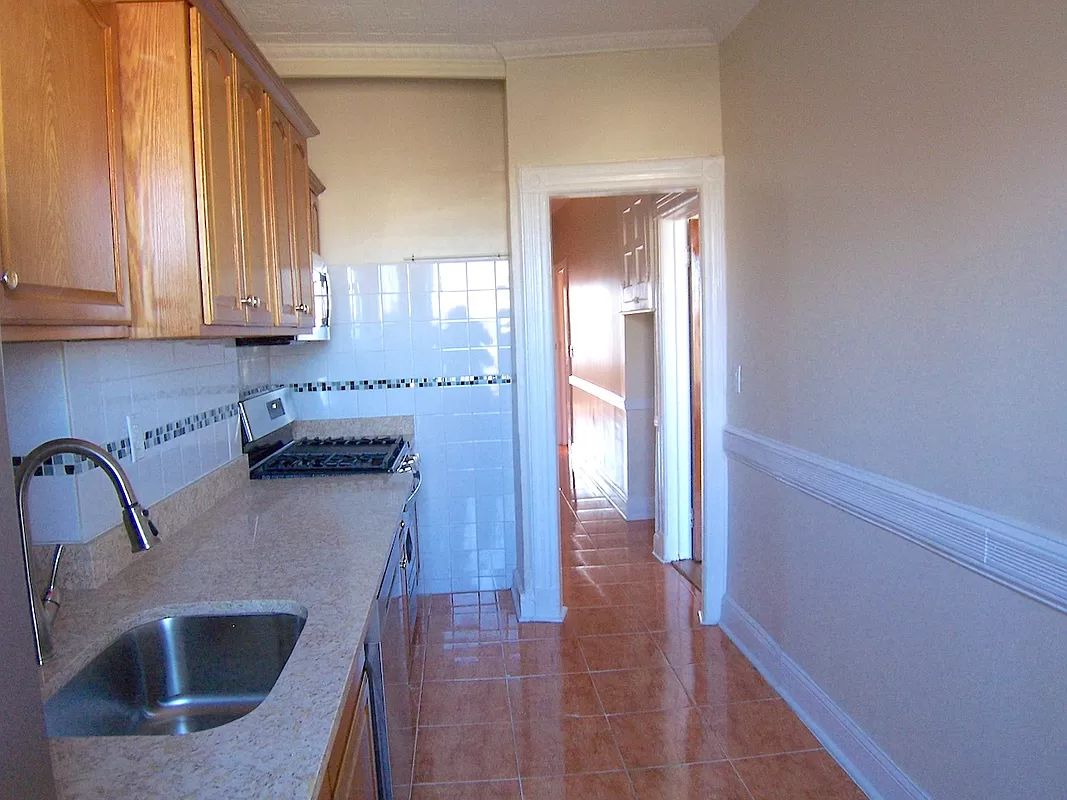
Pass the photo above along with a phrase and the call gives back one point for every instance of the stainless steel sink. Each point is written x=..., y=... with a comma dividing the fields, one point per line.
x=176, y=675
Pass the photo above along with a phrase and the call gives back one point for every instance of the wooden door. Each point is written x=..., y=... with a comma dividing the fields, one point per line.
x=357, y=779
x=281, y=195
x=254, y=185
x=564, y=409
x=302, y=230
x=62, y=238
x=219, y=212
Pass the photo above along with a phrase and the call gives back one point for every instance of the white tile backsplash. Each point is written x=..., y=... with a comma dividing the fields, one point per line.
x=87, y=390
x=428, y=320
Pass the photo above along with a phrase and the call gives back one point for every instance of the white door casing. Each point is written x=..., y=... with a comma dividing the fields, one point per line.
x=537, y=582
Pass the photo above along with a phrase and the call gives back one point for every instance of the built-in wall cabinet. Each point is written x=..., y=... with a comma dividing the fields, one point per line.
x=154, y=176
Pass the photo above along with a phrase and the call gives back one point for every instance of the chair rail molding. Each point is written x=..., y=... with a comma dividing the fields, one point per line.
x=535, y=375
x=1023, y=558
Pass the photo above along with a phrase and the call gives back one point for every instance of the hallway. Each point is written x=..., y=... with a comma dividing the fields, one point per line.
x=629, y=697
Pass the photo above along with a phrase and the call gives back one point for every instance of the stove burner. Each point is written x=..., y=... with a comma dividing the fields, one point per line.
x=346, y=455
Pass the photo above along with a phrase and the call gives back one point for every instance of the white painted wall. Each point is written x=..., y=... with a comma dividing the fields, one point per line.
x=896, y=179
x=411, y=167
x=602, y=107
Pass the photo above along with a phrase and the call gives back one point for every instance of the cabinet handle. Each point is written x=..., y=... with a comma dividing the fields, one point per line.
x=303, y=308
x=251, y=300
x=10, y=280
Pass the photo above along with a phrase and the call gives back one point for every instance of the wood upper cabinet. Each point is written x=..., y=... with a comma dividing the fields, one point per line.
x=281, y=193
x=62, y=241
x=302, y=229
x=215, y=137
x=209, y=174
x=254, y=202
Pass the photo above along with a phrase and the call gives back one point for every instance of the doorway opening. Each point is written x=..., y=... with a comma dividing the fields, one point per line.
x=536, y=290
x=627, y=313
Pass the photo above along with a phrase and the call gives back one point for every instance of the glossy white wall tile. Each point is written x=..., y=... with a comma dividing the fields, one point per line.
x=423, y=320
x=88, y=389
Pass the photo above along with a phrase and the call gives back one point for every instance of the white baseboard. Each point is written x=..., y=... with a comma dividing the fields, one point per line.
x=857, y=753
x=529, y=609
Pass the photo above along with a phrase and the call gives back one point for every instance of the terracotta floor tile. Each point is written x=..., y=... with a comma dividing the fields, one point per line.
x=578, y=541
x=661, y=738
x=464, y=702
x=564, y=746
x=761, y=728
x=593, y=596
x=465, y=753
x=625, y=651
x=600, y=786
x=537, y=630
x=798, y=776
x=585, y=558
x=463, y=661
x=671, y=616
x=590, y=576
x=693, y=646
x=602, y=621
x=691, y=782
x=543, y=657
x=619, y=540
x=729, y=679
x=638, y=573
x=634, y=690
x=491, y=790
x=553, y=696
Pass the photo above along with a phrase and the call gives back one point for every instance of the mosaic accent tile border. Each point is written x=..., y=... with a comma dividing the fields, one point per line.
x=254, y=390
x=400, y=383
x=70, y=464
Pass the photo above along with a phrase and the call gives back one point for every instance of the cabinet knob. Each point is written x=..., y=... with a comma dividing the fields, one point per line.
x=303, y=308
x=10, y=280
x=251, y=300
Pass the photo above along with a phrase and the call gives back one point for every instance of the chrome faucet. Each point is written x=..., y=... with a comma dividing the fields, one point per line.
x=139, y=527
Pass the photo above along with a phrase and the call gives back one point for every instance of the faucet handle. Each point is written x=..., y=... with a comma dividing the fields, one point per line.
x=143, y=532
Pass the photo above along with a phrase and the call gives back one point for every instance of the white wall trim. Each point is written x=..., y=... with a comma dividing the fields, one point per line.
x=608, y=396
x=534, y=332
x=1023, y=558
x=599, y=392
x=674, y=432
x=333, y=60
x=604, y=43
x=858, y=754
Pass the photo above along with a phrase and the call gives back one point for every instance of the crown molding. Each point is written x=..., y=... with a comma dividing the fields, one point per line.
x=604, y=43
x=329, y=60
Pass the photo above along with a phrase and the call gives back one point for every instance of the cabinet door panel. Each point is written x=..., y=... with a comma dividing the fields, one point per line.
x=61, y=210
x=302, y=228
x=281, y=194
x=215, y=107
x=252, y=147
x=358, y=778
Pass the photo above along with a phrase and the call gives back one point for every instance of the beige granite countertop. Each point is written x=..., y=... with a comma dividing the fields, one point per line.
x=317, y=545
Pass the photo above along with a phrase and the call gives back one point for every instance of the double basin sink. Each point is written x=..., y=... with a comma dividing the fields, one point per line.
x=176, y=675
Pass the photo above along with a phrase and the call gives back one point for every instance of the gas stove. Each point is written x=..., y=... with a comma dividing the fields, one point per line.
x=273, y=453
x=333, y=456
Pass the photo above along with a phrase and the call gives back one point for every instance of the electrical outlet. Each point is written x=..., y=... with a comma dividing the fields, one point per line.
x=135, y=432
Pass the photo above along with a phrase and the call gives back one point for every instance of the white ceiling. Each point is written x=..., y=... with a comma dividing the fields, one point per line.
x=482, y=22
